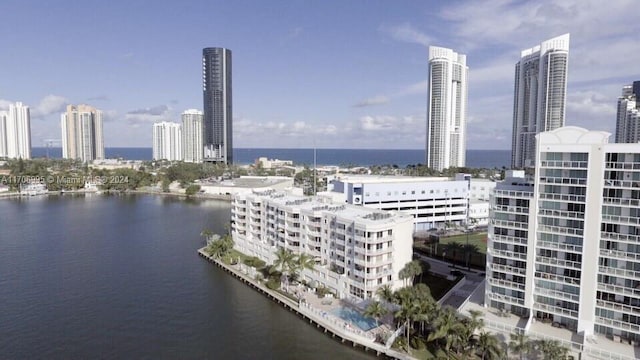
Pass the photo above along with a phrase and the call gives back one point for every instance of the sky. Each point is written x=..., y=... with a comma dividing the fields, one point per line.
x=334, y=74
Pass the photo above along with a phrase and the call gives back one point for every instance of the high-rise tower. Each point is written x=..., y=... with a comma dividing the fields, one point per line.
x=446, y=109
x=15, y=132
x=218, y=114
x=192, y=136
x=628, y=118
x=540, y=93
x=82, y=133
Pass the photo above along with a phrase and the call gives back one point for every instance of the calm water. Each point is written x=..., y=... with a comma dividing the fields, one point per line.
x=119, y=277
x=360, y=157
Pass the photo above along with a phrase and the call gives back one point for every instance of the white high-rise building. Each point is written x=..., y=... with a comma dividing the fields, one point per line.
x=192, y=136
x=167, y=141
x=15, y=132
x=564, y=247
x=3, y=134
x=539, y=99
x=628, y=117
x=446, y=109
x=357, y=250
x=82, y=137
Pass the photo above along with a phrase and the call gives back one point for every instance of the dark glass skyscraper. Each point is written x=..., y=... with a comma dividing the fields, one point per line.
x=218, y=115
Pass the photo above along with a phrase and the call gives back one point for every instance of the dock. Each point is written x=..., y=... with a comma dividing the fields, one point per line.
x=360, y=342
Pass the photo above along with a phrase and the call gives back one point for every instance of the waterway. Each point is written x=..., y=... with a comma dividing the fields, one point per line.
x=118, y=276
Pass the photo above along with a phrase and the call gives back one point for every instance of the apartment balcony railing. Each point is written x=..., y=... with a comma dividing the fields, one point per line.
x=619, y=272
x=557, y=278
x=622, y=184
x=623, y=308
x=561, y=214
x=510, y=224
x=564, y=164
x=508, y=269
x=559, y=295
x=619, y=237
x=559, y=246
x=555, y=310
x=508, y=239
x=563, y=197
x=618, y=324
x=620, y=255
x=506, y=283
x=513, y=194
x=624, y=220
x=619, y=290
x=562, y=180
x=509, y=254
x=558, y=262
x=622, y=165
x=621, y=201
x=506, y=298
x=511, y=209
x=561, y=230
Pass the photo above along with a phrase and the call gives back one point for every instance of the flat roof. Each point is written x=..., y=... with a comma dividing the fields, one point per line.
x=373, y=179
x=248, y=182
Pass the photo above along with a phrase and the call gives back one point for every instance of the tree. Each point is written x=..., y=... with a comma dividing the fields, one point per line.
x=469, y=250
x=376, y=310
x=300, y=263
x=447, y=329
x=385, y=293
x=453, y=248
x=284, y=262
x=192, y=190
x=408, y=311
x=410, y=271
x=552, y=349
x=488, y=346
x=520, y=344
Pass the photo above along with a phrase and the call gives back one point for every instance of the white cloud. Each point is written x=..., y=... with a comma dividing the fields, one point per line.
x=149, y=115
x=50, y=104
x=376, y=100
x=407, y=33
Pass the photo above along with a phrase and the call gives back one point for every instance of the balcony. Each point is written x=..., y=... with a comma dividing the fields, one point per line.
x=561, y=214
x=559, y=246
x=615, y=306
x=506, y=283
x=561, y=230
x=620, y=255
x=555, y=310
x=508, y=239
x=509, y=254
x=508, y=269
x=619, y=290
x=558, y=262
x=564, y=164
x=624, y=220
x=619, y=272
x=558, y=295
x=562, y=180
x=557, y=278
x=506, y=299
x=510, y=224
x=563, y=197
x=618, y=324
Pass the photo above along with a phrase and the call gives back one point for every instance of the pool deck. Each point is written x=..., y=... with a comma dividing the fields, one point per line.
x=317, y=313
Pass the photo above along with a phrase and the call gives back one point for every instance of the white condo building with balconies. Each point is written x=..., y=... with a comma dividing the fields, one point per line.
x=357, y=250
x=564, y=248
x=167, y=141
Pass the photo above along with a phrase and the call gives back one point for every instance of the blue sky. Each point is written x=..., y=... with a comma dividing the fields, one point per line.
x=340, y=74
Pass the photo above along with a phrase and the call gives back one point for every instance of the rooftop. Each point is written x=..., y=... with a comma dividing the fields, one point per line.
x=374, y=179
x=248, y=182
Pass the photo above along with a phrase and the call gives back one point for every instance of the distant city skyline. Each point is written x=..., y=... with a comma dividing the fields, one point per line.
x=358, y=83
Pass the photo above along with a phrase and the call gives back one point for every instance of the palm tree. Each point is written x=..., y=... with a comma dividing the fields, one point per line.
x=408, y=311
x=520, y=344
x=300, y=263
x=284, y=262
x=552, y=349
x=469, y=250
x=489, y=346
x=206, y=234
x=448, y=328
x=376, y=310
x=453, y=248
x=385, y=293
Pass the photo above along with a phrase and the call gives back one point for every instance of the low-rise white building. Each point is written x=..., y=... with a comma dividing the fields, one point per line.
x=247, y=184
x=267, y=163
x=357, y=250
x=432, y=201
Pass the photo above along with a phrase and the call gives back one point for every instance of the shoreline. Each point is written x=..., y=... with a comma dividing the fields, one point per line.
x=12, y=195
x=361, y=343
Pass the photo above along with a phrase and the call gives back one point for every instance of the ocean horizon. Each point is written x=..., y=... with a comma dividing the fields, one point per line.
x=340, y=157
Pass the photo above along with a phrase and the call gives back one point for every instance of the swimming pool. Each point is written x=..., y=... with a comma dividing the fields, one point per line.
x=354, y=317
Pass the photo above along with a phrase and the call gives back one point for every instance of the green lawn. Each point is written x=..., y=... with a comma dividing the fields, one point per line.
x=478, y=239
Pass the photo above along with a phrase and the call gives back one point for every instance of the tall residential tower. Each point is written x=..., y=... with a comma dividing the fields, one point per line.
x=628, y=119
x=540, y=92
x=167, y=141
x=192, y=147
x=82, y=133
x=15, y=132
x=446, y=109
x=218, y=114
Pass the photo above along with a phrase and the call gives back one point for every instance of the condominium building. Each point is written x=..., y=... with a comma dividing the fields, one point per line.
x=3, y=134
x=15, y=132
x=539, y=96
x=628, y=116
x=357, y=250
x=446, y=109
x=82, y=137
x=563, y=247
x=167, y=141
x=218, y=108
x=192, y=148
